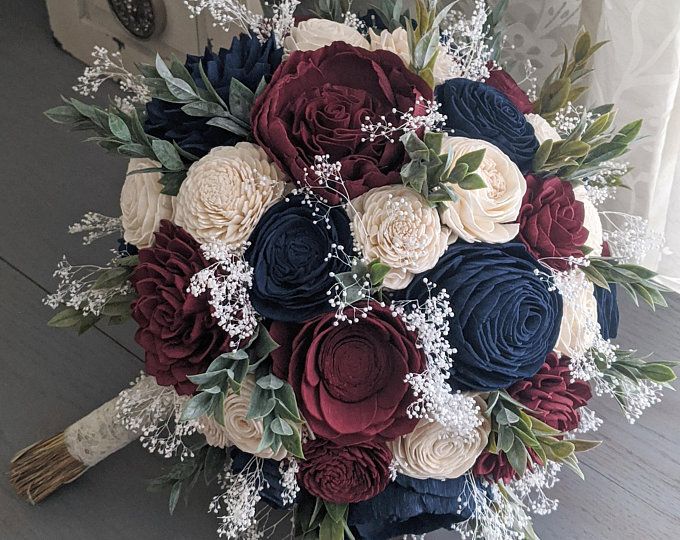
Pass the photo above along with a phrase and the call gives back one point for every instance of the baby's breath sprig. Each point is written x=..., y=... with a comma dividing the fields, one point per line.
x=96, y=226
x=423, y=115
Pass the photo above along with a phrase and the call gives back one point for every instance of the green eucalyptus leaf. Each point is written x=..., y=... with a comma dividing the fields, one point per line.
x=472, y=159
x=167, y=155
x=196, y=407
x=270, y=382
x=66, y=318
x=472, y=181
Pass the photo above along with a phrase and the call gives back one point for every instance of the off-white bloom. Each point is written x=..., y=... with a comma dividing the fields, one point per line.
x=142, y=204
x=313, y=34
x=395, y=225
x=542, y=128
x=579, y=315
x=592, y=222
x=237, y=429
x=487, y=214
x=397, y=42
x=226, y=192
x=428, y=452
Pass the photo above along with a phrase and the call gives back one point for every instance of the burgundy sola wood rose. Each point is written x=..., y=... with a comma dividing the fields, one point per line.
x=349, y=378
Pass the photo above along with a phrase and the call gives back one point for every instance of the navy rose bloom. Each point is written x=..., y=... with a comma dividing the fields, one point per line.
x=411, y=506
x=247, y=61
x=478, y=111
x=289, y=251
x=506, y=320
x=607, y=311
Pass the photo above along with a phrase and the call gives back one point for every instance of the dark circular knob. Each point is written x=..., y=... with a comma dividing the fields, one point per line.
x=139, y=17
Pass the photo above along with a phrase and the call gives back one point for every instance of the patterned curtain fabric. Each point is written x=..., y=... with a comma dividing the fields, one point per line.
x=639, y=71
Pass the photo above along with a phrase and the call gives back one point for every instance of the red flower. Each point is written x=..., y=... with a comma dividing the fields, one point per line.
x=345, y=474
x=316, y=103
x=349, y=379
x=176, y=330
x=551, y=394
x=551, y=221
x=503, y=82
x=497, y=467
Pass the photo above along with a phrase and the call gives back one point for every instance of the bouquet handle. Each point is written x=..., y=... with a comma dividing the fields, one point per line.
x=39, y=470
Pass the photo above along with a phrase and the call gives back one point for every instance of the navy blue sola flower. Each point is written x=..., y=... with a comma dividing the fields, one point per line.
x=506, y=319
x=412, y=506
x=289, y=252
x=607, y=311
x=478, y=111
x=247, y=60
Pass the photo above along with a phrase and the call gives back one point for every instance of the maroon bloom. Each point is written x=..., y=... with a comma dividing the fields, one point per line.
x=345, y=474
x=551, y=221
x=176, y=330
x=316, y=103
x=349, y=378
x=503, y=82
x=551, y=394
x=496, y=467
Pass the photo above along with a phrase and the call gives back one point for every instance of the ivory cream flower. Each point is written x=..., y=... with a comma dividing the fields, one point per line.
x=142, y=204
x=591, y=221
x=237, y=429
x=542, y=128
x=395, y=225
x=313, y=34
x=426, y=453
x=226, y=192
x=487, y=214
x=579, y=318
x=397, y=42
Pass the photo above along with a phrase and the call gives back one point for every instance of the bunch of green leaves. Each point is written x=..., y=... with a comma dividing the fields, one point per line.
x=424, y=37
x=362, y=280
x=117, y=308
x=628, y=368
x=333, y=10
x=273, y=400
x=493, y=22
x=316, y=519
x=514, y=431
x=580, y=155
x=429, y=172
x=391, y=12
x=175, y=84
x=207, y=462
x=638, y=281
x=561, y=86
x=122, y=133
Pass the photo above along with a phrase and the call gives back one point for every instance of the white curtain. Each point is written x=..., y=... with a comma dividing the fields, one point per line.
x=639, y=71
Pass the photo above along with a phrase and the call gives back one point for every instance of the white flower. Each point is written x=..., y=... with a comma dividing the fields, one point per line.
x=487, y=214
x=395, y=225
x=397, y=42
x=542, y=128
x=313, y=34
x=237, y=429
x=428, y=452
x=142, y=204
x=579, y=321
x=592, y=222
x=226, y=192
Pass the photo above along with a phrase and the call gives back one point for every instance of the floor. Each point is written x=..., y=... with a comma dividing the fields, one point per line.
x=50, y=378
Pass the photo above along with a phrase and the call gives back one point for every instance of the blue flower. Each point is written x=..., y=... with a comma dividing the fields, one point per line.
x=607, y=311
x=289, y=251
x=411, y=506
x=247, y=61
x=477, y=111
x=506, y=320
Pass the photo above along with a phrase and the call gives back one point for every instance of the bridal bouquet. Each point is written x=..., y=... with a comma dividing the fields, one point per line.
x=368, y=271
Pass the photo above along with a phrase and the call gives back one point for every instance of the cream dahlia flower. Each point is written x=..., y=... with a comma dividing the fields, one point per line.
x=428, y=453
x=395, y=225
x=313, y=34
x=591, y=221
x=237, y=429
x=226, y=192
x=487, y=214
x=397, y=42
x=542, y=128
x=579, y=318
x=142, y=204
